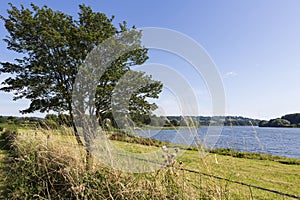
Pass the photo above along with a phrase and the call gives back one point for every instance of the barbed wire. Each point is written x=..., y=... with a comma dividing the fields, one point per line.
x=218, y=177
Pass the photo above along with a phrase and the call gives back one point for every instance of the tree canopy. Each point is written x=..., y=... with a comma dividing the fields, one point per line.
x=289, y=120
x=53, y=45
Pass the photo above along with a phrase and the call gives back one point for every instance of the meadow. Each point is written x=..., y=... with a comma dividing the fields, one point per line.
x=48, y=164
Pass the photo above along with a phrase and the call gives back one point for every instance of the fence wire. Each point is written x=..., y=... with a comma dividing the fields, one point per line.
x=250, y=186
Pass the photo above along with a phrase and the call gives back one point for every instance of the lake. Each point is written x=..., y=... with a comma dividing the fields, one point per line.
x=274, y=141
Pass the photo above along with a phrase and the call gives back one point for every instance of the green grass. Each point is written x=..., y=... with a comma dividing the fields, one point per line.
x=47, y=165
x=272, y=172
x=3, y=154
x=256, y=156
x=148, y=127
x=264, y=173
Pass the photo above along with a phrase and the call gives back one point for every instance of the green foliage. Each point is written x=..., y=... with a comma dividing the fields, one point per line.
x=9, y=137
x=18, y=121
x=206, y=121
x=64, y=120
x=175, y=122
x=189, y=121
x=53, y=46
x=130, y=93
x=2, y=120
x=53, y=121
x=290, y=120
x=263, y=123
x=137, y=140
x=48, y=124
x=11, y=122
x=257, y=156
x=11, y=119
x=279, y=122
x=157, y=121
x=52, y=117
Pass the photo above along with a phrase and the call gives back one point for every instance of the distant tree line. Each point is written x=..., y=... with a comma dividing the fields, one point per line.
x=18, y=120
x=51, y=121
x=54, y=121
x=290, y=120
x=206, y=120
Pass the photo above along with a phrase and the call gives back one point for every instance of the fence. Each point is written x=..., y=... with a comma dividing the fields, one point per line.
x=282, y=194
x=273, y=194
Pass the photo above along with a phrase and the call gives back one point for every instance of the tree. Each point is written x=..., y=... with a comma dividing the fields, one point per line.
x=279, y=123
x=52, y=117
x=292, y=118
x=2, y=119
x=263, y=123
x=129, y=98
x=54, y=46
x=175, y=122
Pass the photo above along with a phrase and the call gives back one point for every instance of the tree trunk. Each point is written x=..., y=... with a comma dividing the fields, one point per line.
x=89, y=159
x=87, y=138
x=74, y=126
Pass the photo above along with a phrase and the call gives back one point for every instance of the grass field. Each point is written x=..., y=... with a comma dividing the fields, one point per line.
x=265, y=173
x=2, y=155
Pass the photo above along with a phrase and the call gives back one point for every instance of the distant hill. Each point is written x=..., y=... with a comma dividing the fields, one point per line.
x=175, y=120
x=18, y=120
x=20, y=117
x=289, y=120
x=227, y=120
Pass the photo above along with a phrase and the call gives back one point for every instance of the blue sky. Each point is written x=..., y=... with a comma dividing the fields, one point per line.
x=255, y=45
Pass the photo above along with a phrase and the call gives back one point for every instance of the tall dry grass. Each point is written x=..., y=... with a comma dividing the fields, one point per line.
x=48, y=164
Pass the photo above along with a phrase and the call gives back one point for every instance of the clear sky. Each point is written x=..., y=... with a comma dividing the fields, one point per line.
x=255, y=45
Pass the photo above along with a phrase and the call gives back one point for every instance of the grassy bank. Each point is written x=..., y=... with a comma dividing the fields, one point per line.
x=261, y=172
x=220, y=151
x=49, y=164
x=2, y=156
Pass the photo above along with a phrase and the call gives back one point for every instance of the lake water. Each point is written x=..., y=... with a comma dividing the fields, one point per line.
x=274, y=141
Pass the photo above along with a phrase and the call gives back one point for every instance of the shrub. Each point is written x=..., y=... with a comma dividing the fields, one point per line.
x=2, y=120
x=48, y=124
x=9, y=137
x=137, y=140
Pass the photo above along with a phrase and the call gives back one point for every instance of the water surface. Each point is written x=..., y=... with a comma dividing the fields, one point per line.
x=274, y=141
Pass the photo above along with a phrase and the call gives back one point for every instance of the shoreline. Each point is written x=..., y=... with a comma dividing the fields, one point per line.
x=219, y=151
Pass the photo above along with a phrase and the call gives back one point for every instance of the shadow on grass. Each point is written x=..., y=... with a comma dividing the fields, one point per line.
x=3, y=144
x=3, y=151
x=6, y=140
